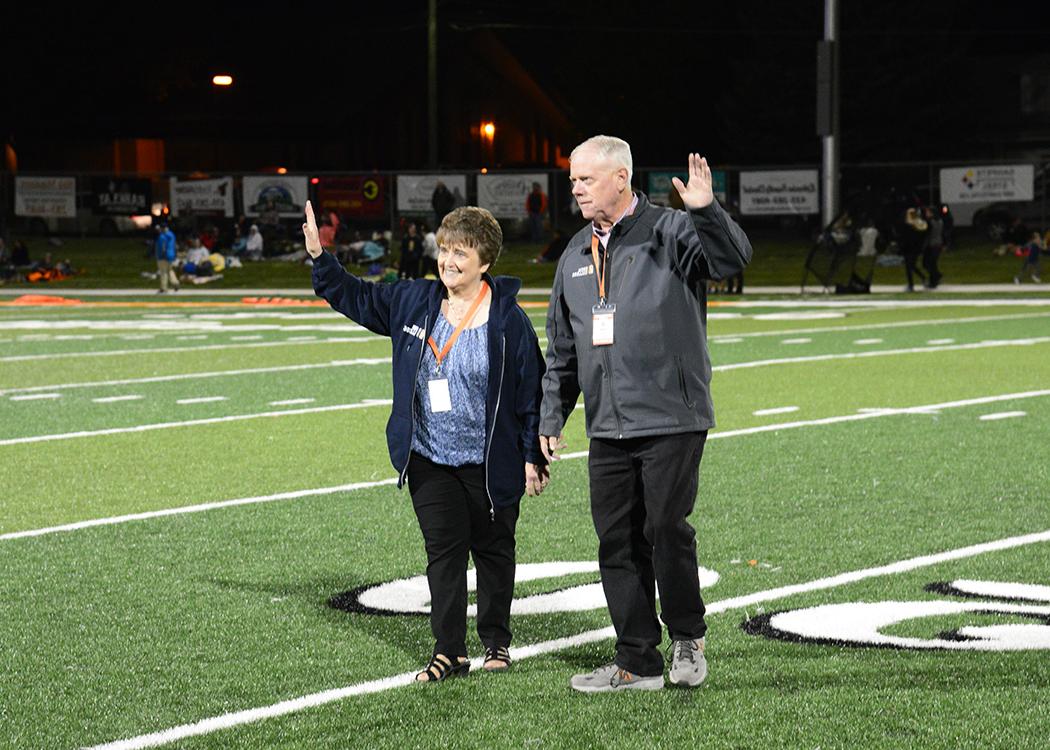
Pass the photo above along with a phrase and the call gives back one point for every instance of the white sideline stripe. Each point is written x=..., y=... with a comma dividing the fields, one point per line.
x=201, y=400
x=565, y=456
x=194, y=375
x=293, y=495
x=192, y=422
x=179, y=349
x=248, y=716
x=775, y=410
x=294, y=402
x=880, y=353
x=1002, y=415
x=732, y=338
x=36, y=396
x=114, y=399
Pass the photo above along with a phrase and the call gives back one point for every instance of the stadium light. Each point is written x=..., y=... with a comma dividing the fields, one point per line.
x=222, y=80
x=282, y=170
x=488, y=130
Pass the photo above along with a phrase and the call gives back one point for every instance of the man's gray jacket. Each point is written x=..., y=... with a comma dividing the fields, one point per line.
x=655, y=378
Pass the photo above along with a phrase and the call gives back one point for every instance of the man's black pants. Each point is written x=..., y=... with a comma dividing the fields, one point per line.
x=453, y=511
x=642, y=489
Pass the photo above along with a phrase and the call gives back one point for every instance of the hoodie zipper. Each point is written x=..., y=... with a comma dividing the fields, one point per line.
x=492, y=434
x=412, y=403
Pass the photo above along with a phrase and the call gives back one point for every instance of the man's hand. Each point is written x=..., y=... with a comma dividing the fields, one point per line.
x=550, y=445
x=699, y=192
x=313, y=241
x=536, y=479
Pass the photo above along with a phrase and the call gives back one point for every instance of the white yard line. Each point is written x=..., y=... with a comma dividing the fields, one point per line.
x=733, y=337
x=190, y=422
x=1002, y=415
x=36, y=396
x=923, y=409
x=200, y=400
x=114, y=399
x=182, y=349
x=283, y=708
x=881, y=353
x=774, y=410
x=292, y=402
x=195, y=375
x=294, y=495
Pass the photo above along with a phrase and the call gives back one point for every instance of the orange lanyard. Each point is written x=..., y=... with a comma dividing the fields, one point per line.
x=440, y=355
x=605, y=261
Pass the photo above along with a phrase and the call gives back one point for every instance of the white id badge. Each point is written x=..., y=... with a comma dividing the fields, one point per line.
x=440, y=398
x=602, y=327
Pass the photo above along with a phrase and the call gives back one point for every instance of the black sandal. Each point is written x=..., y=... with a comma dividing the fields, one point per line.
x=499, y=654
x=441, y=668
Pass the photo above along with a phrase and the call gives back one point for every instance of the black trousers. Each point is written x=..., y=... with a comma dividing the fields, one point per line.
x=642, y=489
x=454, y=515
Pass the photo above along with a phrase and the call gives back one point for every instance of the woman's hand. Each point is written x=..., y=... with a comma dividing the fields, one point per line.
x=313, y=241
x=536, y=479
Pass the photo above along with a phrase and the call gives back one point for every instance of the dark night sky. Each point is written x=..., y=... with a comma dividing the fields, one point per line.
x=733, y=79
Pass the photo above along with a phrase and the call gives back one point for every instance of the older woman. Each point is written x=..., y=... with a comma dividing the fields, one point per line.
x=463, y=427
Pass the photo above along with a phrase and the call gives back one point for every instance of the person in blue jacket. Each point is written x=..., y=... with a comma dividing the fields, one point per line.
x=463, y=427
x=164, y=249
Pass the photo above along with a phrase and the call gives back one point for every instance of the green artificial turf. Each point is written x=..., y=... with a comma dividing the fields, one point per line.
x=124, y=629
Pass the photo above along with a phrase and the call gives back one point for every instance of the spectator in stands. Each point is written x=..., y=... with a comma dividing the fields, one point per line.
x=430, y=252
x=253, y=248
x=1031, y=250
x=19, y=254
x=240, y=241
x=270, y=219
x=911, y=236
x=164, y=249
x=411, y=253
x=329, y=227
x=536, y=207
x=209, y=236
x=442, y=201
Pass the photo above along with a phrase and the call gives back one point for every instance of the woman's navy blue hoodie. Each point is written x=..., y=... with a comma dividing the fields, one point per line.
x=406, y=312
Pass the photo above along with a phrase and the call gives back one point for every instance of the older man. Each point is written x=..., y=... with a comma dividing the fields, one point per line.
x=627, y=325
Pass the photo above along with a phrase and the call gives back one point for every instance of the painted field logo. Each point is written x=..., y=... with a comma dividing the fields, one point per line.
x=411, y=596
x=862, y=623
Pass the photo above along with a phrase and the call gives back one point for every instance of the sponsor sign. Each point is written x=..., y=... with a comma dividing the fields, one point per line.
x=46, y=196
x=660, y=186
x=202, y=196
x=120, y=196
x=1003, y=182
x=793, y=191
x=286, y=193
x=414, y=191
x=362, y=196
x=504, y=194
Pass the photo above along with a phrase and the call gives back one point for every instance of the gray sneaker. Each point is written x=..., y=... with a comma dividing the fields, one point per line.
x=611, y=677
x=688, y=665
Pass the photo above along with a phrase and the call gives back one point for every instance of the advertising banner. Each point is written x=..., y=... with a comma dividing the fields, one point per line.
x=285, y=193
x=793, y=191
x=414, y=191
x=46, y=196
x=504, y=194
x=362, y=196
x=1002, y=182
x=120, y=196
x=202, y=196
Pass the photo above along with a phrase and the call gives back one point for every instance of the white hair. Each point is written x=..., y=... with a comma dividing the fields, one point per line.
x=616, y=150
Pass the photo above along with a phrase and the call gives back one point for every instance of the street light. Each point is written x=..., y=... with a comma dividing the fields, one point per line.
x=222, y=80
x=488, y=131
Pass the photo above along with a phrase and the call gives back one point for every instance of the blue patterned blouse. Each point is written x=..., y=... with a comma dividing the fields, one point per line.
x=457, y=437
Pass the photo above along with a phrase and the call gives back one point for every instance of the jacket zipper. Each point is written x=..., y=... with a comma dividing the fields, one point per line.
x=492, y=434
x=608, y=364
x=412, y=403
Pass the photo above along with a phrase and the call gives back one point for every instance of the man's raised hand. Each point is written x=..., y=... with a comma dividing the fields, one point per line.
x=699, y=192
x=313, y=241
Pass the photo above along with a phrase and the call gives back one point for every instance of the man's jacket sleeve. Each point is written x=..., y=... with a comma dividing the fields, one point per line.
x=561, y=382
x=361, y=301
x=710, y=245
x=530, y=393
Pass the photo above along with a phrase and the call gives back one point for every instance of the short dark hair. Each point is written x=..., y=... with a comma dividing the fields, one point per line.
x=474, y=227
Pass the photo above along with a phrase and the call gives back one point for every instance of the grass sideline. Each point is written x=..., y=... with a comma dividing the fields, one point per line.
x=111, y=263
x=122, y=630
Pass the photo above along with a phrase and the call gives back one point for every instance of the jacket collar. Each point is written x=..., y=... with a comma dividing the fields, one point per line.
x=621, y=227
x=504, y=291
